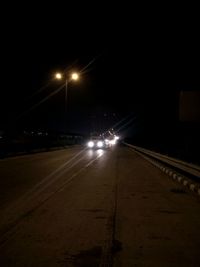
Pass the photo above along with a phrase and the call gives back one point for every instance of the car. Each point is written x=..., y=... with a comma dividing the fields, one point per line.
x=97, y=142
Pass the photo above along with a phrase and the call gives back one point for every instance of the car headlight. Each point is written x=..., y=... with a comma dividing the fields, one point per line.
x=90, y=144
x=100, y=144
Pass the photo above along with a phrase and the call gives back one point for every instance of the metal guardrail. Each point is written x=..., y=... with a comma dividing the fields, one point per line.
x=179, y=164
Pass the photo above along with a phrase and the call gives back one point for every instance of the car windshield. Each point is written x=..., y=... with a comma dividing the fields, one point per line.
x=96, y=138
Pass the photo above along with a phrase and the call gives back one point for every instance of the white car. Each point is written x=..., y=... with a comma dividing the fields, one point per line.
x=97, y=143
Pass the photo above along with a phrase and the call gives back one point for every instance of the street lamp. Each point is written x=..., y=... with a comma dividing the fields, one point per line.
x=58, y=76
x=73, y=77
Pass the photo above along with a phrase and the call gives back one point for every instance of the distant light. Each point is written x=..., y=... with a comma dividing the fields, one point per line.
x=58, y=76
x=113, y=142
x=75, y=76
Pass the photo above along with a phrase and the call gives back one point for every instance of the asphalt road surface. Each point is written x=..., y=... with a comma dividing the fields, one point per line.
x=78, y=207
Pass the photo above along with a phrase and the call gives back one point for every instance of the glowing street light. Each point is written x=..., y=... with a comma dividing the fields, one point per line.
x=58, y=76
x=73, y=77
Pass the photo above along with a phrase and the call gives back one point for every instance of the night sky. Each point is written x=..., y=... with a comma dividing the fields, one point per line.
x=138, y=64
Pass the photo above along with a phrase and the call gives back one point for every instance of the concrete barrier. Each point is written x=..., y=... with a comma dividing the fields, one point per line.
x=153, y=159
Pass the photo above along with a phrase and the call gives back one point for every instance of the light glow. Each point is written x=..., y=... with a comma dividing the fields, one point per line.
x=75, y=76
x=100, y=144
x=58, y=76
x=90, y=144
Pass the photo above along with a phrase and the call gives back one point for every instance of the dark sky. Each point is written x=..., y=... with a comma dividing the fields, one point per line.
x=142, y=60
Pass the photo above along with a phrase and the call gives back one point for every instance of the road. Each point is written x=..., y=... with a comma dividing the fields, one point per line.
x=77, y=207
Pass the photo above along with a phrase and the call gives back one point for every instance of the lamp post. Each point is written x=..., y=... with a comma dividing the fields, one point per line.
x=73, y=77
